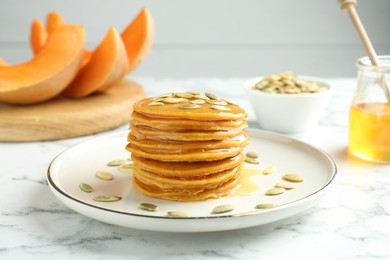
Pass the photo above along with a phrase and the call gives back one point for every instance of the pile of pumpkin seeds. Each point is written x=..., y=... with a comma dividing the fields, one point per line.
x=288, y=83
x=191, y=100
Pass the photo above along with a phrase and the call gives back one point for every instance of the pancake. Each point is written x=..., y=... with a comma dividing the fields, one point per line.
x=193, y=156
x=141, y=132
x=209, y=181
x=186, y=194
x=186, y=146
x=162, y=123
x=187, y=169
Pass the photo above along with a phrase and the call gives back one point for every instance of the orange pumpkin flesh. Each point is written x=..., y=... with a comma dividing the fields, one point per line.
x=107, y=65
x=38, y=36
x=53, y=19
x=2, y=62
x=138, y=37
x=49, y=72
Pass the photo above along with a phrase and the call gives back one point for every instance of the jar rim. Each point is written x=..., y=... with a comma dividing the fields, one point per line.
x=365, y=63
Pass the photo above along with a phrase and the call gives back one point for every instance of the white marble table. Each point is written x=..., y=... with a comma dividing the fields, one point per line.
x=351, y=222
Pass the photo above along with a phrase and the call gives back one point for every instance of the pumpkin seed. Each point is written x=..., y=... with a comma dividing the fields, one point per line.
x=252, y=155
x=107, y=198
x=275, y=191
x=222, y=108
x=189, y=106
x=179, y=214
x=293, y=177
x=251, y=160
x=266, y=206
x=158, y=99
x=172, y=100
x=85, y=187
x=268, y=170
x=155, y=103
x=211, y=96
x=201, y=97
x=104, y=175
x=285, y=185
x=198, y=101
x=222, y=209
x=216, y=102
x=183, y=95
x=116, y=162
x=149, y=207
x=193, y=92
x=126, y=167
x=165, y=95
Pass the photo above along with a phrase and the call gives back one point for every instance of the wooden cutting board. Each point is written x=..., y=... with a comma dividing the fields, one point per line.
x=65, y=117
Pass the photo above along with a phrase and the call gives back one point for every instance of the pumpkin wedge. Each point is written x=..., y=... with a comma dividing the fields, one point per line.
x=138, y=37
x=38, y=36
x=53, y=19
x=2, y=62
x=107, y=65
x=49, y=72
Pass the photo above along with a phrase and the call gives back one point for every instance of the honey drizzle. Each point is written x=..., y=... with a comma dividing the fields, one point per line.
x=247, y=186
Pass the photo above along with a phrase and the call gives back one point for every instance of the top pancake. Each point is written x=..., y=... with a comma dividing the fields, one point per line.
x=170, y=106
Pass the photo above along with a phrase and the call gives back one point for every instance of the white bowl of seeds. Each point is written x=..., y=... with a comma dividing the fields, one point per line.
x=287, y=103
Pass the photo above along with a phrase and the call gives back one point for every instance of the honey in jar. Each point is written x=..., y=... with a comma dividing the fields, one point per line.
x=369, y=135
x=369, y=117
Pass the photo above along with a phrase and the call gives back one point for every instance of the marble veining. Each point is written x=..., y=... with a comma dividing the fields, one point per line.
x=352, y=221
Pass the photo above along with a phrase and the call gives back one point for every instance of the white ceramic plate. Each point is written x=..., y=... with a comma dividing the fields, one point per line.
x=79, y=164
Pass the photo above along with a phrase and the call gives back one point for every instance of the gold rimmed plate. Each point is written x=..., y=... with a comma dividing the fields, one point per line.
x=79, y=164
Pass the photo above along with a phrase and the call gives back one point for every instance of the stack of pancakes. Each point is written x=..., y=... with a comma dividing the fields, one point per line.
x=187, y=146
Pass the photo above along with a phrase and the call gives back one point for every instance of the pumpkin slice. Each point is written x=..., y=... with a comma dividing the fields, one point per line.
x=49, y=72
x=108, y=64
x=138, y=37
x=2, y=62
x=53, y=19
x=38, y=36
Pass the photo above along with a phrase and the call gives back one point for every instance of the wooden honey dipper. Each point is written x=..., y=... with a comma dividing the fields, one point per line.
x=349, y=6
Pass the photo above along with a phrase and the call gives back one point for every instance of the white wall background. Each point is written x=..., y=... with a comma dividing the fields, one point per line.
x=217, y=38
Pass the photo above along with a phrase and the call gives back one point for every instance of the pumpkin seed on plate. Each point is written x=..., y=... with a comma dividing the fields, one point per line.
x=180, y=214
x=251, y=160
x=268, y=170
x=252, y=155
x=107, y=198
x=149, y=207
x=266, y=206
x=85, y=187
x=126, y=167
x=104, y=175
x=116, y=162
x=293, y=177
x=285, y=185
x=275, y=191
x=222, y=209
